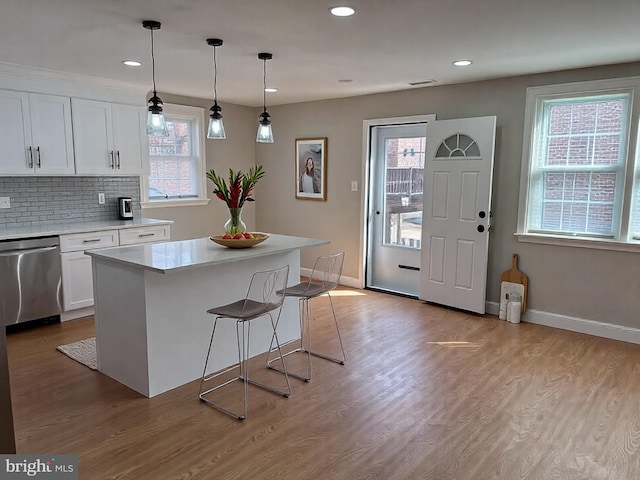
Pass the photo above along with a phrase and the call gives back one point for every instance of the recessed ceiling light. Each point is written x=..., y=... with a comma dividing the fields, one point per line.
x=462, y=63
x=132, y=63
x=270, y=90
x=342, y=11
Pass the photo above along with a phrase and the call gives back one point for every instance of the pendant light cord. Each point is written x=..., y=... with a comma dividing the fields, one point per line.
x=264, y=85
x=215, y=77
x=153, y=65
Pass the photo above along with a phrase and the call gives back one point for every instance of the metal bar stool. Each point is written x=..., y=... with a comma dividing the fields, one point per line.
x=265, y=295
x=324, y=278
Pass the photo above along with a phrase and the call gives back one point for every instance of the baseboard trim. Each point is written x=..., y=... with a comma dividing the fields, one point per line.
x=539, y=317
x=79, y=313
x=575, y=324
x=344, y=280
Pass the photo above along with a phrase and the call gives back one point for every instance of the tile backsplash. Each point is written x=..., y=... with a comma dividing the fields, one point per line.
x=36, y=200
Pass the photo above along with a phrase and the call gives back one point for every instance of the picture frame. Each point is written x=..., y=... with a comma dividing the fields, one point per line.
x=311, y=178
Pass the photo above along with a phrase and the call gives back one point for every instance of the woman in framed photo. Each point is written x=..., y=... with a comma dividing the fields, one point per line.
x=309, y=182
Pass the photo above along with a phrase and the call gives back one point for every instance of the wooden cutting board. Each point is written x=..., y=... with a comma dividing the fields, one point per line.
x=516, y=276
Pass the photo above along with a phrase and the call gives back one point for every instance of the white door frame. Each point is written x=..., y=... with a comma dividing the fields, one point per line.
x=366, y=206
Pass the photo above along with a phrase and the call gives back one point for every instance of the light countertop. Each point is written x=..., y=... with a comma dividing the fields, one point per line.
x=60, y=228
x=201, y=252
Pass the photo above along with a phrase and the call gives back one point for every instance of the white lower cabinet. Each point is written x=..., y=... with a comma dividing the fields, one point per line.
x=77, y=276
x=77, y=281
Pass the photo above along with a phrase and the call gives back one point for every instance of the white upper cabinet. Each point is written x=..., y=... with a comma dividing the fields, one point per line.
x=130, y=139
x=35, y=133
x=15, y=133
x=93, y=137
x=109, y=138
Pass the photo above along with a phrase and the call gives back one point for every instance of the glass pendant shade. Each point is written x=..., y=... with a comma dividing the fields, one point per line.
x=265, y=133
x=156, y=125
x=216, y=129
x=216, y=125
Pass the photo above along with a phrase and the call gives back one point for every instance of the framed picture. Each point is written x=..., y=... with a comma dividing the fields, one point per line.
x=311, y=168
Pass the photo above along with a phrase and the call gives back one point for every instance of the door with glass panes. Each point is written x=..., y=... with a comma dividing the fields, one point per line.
x=396, y=202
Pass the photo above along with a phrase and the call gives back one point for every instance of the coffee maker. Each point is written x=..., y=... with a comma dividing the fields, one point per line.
x=125, y=208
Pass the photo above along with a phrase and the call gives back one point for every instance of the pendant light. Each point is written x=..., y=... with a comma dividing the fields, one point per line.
x=265, y=134
x=156, y=125
x=216, y=126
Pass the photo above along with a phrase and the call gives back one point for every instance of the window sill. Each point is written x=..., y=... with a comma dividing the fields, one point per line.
x=191, y=202
x=595, y=243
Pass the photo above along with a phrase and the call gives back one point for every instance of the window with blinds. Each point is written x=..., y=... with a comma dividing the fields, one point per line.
x=579, y=174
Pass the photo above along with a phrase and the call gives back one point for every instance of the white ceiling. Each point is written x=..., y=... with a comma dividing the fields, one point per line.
x=383, y=47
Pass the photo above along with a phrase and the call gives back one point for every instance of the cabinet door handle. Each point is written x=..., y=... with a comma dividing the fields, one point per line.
x=92, y=240
x=145, y=235
x=39, y=157
x=118, y=155
x=112, y=162
x=30, y=157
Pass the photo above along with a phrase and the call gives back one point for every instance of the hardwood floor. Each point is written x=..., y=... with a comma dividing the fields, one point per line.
x=427, y=393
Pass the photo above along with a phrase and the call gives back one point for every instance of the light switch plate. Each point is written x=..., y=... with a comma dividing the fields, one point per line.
x=354, y=185
x=5, y=202
x=101, y=199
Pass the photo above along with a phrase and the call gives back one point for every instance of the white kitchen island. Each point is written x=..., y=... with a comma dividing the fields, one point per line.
x=152, y=329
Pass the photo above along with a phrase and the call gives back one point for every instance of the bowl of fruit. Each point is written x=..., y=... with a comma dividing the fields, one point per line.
x=240, y=240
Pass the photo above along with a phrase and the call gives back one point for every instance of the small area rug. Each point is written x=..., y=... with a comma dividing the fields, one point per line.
x=83, y=351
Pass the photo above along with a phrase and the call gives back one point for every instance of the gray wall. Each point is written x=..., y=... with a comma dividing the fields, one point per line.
x=590, y=284
x=237, y=152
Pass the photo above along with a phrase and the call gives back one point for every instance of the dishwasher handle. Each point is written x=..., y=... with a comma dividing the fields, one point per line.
x=7, y=253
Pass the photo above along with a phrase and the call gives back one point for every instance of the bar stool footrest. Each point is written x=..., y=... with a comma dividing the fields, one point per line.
x=326, y=357
x=278, y=369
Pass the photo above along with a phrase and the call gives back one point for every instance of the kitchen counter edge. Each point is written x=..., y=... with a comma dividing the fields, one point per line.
x=166, y=257
x=55, y=229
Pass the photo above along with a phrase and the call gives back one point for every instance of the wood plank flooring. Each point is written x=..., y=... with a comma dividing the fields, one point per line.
x=427, y=393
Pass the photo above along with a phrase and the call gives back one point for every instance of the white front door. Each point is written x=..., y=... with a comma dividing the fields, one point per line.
x=455, y=220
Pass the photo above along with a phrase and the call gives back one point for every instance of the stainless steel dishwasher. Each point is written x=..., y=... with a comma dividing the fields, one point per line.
x=30, y=279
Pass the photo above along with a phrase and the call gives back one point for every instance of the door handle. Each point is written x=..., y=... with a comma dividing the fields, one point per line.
x=30, y=157
x=377, y=212
x=112, y=162
x=118, y=156
x=480, y=228
x=482, y=214
x=39, y=157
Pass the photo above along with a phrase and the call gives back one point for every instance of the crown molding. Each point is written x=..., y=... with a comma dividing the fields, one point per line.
x=41, y=80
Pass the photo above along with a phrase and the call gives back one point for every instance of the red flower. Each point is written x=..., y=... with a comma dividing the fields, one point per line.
x=241, y=185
